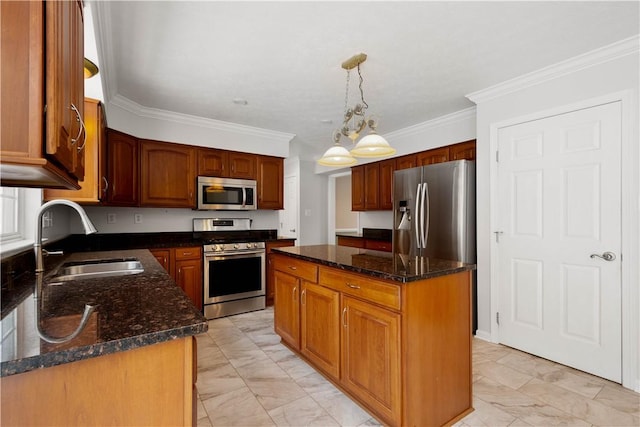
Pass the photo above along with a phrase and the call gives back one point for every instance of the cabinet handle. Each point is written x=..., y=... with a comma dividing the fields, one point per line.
x=291, y=267
x=106, y=185
x=294, y=292
x=344, y=317
x=352, y=286
x=304, y=292
x=80, y=131
x=187, y=253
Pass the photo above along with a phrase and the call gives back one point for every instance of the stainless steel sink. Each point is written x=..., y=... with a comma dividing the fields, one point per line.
x=90, y=269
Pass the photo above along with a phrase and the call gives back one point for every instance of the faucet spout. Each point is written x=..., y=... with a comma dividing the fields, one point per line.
x=89, y=228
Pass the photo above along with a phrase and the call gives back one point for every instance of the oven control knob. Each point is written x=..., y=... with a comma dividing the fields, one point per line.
x=249, y=245
x=218, y=248
x=235, y=246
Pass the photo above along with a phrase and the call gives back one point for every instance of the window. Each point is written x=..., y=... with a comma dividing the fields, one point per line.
x=18, y=207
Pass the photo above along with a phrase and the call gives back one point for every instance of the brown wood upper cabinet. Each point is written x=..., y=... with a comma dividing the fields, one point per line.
x=226, y=164
x=43, y=150
x=212, y=162
x=167, y=173
x=93, y=188
x=463, y=151
x=122, y=169
x=242, y=165
x=270, y=182
x=372, y=184
x=357, y=188
x=430, y=157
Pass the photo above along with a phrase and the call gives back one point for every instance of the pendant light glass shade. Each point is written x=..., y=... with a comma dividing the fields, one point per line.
x=337, y=155
x=372, y=145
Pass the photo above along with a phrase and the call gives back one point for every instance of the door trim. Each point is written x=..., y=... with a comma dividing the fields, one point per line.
x=630, y=255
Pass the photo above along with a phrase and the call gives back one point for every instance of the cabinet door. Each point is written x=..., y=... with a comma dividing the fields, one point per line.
x=167, y=174
x=64, y=86
x=270, y=287
x=357, y=188
x=122, y=169
x=163, y=256
x=430, y=157
x=387, y=167
x=372, y=186
x=212, y=162
x=371, y=357
x=320, y=327
x=354, y=242
x=242, y=165
x=92, y=187
x=406, y=162
x=463, y=151
x=189, y=278
x=270, y=182
x=286, y=309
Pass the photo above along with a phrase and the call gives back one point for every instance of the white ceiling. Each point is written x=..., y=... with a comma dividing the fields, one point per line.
x=284, y=57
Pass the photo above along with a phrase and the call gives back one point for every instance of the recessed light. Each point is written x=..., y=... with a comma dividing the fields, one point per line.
x=240, y=101
x=326, y=121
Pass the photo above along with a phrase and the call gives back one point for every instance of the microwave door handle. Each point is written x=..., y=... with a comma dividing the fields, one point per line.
x=244, y=197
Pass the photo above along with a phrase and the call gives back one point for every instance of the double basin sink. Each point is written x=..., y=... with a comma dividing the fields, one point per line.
x=94, y=269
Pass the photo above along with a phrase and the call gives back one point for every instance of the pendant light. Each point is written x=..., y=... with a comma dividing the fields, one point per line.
x=354, y=122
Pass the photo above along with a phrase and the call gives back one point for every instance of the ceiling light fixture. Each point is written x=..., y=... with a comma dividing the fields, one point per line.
x=90, y=69
x=354, y=122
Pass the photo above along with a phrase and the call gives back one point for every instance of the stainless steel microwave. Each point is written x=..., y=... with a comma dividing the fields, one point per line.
x=226, y=194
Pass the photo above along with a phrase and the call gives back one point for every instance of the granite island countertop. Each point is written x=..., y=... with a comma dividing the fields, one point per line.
x=132, y=311
x=384, y=265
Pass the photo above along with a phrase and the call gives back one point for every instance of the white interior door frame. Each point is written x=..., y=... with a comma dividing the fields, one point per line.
x=331, y=207
x=630, y=223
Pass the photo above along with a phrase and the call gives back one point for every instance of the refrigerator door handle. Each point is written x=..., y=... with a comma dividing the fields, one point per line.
x=418, y=221
x=425, y=223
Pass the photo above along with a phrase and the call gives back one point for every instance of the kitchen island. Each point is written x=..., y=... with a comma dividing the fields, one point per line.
x=133, y=364
x=393, y=333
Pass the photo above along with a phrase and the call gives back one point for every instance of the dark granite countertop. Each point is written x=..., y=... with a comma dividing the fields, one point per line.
x=382, y=234
x=384, y=265
x=132, y=311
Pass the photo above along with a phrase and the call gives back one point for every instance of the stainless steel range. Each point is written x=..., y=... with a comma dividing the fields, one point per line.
x=234, y=266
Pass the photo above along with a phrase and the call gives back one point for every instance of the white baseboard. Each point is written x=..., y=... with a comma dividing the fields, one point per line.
x=483, y=335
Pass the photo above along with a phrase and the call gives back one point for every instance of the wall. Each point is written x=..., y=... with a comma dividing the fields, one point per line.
x=569, y=85
x=345, y=218
x=165, y=219
x=313, y=205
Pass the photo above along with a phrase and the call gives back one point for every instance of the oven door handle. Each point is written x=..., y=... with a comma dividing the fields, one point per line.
x=210, y=255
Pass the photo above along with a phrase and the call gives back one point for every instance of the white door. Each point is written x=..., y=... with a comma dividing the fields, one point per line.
x=289, y=216
x=559, y=210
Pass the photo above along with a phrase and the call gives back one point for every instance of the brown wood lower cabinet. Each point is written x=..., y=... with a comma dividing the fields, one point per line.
x=402, y=350
x=152, y=385
x=184, y=265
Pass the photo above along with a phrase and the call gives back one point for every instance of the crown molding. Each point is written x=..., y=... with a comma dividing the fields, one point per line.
x=102, y=28
x=598, y=56
x=189, y=120
x=447, y=119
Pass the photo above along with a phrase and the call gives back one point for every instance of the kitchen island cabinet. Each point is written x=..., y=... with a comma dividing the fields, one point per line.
x=136, y=367
x=401, y=328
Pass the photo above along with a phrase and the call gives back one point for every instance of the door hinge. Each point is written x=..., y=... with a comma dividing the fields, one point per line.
x=498, y=318
x=497, y=156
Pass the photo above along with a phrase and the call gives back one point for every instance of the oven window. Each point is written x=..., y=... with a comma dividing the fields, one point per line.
x=219, y=195
x=234, y=275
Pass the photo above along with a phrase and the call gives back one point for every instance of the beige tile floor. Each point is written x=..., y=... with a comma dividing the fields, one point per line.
x=247, y=378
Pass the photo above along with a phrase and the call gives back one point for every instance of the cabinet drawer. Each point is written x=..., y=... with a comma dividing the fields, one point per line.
x=295, y=267
x=361, y=286
x=188, y=253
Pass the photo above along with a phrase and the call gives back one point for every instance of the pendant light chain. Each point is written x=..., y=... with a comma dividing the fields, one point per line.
x=346, y=94
x=364, y=103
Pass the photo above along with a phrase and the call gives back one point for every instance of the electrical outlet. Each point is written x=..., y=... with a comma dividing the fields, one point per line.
x=137, y=218
x=111, y=218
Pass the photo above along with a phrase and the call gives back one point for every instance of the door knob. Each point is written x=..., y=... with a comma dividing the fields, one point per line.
x=607, y=256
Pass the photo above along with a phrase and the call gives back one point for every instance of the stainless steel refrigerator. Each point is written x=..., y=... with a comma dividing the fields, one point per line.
x=434, y=213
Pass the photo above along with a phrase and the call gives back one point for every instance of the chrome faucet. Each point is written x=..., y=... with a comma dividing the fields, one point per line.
x=89, y=228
